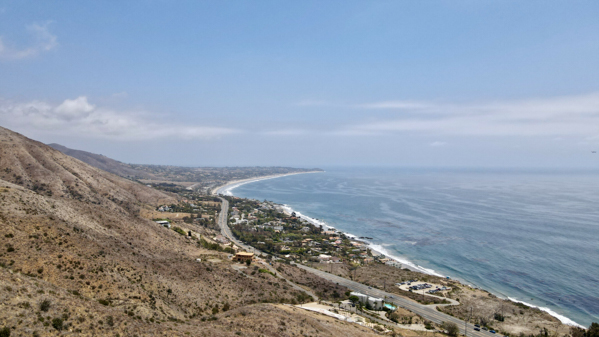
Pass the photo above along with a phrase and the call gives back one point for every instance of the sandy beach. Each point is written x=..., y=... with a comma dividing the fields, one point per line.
x=240, y=182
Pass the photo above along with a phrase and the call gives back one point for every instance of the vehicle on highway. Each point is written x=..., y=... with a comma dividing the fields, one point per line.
x=492, y=331
x=477, y=329
x=476, y=325
x=484, y=328
x=369, y=287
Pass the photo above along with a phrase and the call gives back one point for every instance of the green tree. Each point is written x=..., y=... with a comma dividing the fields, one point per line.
x=451, y=328
x=593, y=330
x=354, y=299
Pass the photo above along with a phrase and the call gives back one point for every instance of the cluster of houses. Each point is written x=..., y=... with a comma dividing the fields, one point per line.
x=326, y=246
x=164, y=208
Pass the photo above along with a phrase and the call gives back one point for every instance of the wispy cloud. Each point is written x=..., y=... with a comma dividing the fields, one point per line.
x=555, y=116
x=285, y=132
x=437, y=144
x=80, y=118
x=43, y=41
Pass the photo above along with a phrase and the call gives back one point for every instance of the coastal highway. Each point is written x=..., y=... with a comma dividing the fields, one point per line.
x=226, y=232
x=428, y=312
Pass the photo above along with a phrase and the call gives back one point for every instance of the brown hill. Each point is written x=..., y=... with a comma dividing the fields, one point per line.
x=75, y=257
x=49, y=172
x=103, y=163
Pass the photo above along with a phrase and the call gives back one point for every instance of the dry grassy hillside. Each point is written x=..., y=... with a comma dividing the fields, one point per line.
x=75, y=257
x=49, y=172
x=103, y=162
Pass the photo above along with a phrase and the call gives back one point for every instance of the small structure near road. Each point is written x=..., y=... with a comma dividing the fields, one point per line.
x=373, y=302
x=164, y=223
x=243, y=256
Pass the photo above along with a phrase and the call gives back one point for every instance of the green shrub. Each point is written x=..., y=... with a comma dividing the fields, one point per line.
x=57, y=323
x=104, y=302
x=179, y=230
x=45, y=305
x=5, y=332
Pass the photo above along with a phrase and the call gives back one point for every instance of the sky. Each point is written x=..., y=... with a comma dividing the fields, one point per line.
x=307, y=83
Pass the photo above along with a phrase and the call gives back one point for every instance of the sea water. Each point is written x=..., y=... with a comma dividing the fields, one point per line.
x=528, y=236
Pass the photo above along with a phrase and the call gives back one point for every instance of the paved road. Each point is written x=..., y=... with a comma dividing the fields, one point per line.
x=428, y=312
x=226, y=232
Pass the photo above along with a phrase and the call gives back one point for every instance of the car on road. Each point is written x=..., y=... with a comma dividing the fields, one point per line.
x=369, y=287
x=476, y=325
x=485, y=328
x=492, y=331
x=477, y=329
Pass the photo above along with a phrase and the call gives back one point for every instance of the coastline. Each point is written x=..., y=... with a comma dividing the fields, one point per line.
x=236, y=183
x=379, y=249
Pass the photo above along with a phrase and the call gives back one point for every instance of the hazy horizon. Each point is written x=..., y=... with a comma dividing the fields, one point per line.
x=311, y=84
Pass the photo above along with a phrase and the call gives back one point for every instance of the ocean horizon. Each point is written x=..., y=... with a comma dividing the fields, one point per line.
x=525, y=235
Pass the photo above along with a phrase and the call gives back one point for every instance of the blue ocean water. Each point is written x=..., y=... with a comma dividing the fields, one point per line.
x=529, y=236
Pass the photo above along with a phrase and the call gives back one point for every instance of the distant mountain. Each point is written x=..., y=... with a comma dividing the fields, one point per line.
x=103, y=163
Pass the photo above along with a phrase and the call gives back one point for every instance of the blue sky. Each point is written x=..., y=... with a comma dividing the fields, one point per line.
x=403, y=83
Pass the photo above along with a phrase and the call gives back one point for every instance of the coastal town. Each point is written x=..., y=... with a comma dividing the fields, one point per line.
x=276, y=241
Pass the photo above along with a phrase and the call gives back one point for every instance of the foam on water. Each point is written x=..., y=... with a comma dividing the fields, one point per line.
x=562, y=318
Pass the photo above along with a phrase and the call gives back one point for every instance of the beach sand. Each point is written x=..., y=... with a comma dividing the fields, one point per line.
x=220, y=188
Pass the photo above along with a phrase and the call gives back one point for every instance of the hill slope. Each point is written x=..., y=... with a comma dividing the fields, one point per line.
x=103, y=162
x=75, y=256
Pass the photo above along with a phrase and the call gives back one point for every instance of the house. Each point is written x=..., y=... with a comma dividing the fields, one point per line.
x=243, y=256
x=374, y=302
x=164, y=223
x=323, y=257
x=305, y=229
x=368, y=260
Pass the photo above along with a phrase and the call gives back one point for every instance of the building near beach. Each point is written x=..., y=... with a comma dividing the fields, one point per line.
x=374, y=302
x=243, y=256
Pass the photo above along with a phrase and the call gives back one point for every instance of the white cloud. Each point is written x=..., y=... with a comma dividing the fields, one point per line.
x=43, y=41
x=555, y=116
x=80, y=118
x=74, y=108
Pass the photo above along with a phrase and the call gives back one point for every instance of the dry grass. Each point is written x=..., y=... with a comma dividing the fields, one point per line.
x=84, y=247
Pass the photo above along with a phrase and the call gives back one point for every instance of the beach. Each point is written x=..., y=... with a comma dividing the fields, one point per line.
x=225, y=188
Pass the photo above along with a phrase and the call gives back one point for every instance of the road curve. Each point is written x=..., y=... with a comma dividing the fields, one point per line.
x=226, y=232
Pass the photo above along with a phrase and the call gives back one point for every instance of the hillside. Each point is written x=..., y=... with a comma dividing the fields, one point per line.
x=77, y=258
x=176, y=178
x=103, y=162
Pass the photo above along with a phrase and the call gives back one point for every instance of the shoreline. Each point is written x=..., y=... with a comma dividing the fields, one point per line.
x=236, y=183
x=382, y=251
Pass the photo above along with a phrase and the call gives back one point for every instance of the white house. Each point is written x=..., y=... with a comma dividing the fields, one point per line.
x=164, y=223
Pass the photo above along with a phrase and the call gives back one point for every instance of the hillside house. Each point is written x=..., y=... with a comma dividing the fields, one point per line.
x=243, y=256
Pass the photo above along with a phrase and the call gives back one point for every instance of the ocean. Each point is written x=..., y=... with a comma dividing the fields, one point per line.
x=531, y=236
